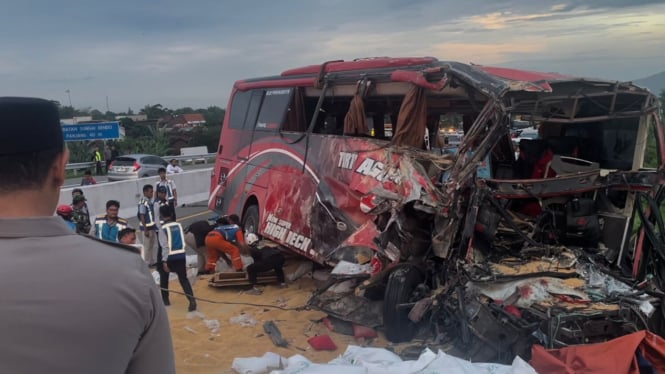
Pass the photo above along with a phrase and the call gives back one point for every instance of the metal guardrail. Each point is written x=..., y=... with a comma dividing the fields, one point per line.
x=191, y=158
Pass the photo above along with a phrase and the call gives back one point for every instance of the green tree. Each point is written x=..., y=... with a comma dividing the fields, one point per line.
x=133, y=129
x=155, y=111
x=185, y=110
x=214, y=116
x=96, y=115
x=157, y=143
x=206, y=135
x=109, y=116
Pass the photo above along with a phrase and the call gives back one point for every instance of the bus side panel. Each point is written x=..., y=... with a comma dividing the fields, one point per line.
x=289, y=193
x=234, y=148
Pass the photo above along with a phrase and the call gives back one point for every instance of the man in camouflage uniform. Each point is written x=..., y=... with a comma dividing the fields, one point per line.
x=81, y=216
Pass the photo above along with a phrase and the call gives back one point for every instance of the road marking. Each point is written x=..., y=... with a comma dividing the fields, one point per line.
x=194, y=215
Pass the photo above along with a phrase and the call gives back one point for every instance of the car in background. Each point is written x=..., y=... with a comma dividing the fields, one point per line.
x=135, y=166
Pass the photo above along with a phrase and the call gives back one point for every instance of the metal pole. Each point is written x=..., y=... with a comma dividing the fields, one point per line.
x=70, y=98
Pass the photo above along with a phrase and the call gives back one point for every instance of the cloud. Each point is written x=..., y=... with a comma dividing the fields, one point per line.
x=180, y=54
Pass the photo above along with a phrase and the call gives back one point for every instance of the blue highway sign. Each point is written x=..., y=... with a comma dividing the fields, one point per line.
x=91, y=131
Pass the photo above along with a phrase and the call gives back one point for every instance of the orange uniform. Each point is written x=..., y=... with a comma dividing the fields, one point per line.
x=216, y=244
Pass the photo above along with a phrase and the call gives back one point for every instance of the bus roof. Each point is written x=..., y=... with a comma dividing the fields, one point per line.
x=489, y=79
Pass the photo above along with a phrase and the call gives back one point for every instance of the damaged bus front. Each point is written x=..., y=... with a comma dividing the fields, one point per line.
x=492, y=248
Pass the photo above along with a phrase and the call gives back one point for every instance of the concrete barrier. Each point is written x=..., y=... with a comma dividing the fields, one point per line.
x=192, y=186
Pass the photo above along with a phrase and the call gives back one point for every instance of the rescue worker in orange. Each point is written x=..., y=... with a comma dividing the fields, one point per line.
x=225, y=241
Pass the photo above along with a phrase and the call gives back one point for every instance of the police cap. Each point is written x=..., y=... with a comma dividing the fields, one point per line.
x=29, y=125
x=161, y=189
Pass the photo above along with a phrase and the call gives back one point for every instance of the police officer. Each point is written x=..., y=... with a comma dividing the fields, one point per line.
x=171, y=257
x=171, y=191
x=83, y=317
x=108, y=225
x=146, y=216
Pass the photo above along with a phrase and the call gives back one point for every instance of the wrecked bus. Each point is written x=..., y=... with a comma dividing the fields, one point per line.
x=343, y=163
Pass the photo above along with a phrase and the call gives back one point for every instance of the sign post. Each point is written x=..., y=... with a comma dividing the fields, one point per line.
x=91, y=131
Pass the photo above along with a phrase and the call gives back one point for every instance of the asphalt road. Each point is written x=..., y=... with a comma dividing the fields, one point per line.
x=73, y=182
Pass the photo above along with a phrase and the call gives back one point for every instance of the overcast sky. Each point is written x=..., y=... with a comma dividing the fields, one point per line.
x=189, y=53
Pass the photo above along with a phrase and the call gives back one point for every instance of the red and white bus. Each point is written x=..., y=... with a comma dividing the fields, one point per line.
x=344, y=161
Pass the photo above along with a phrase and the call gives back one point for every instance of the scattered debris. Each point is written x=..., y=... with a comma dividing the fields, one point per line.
x=305, y=267
x=364, y=360
x=244, y=320
x=195, y=314
x=187, y=328
x=258, y=365
x=322, y=343
x=213, y=325
x=275, y=335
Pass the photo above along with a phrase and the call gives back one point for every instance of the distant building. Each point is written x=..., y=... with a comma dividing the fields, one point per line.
x=183, y=121
x=134, y=117
x=75, y=120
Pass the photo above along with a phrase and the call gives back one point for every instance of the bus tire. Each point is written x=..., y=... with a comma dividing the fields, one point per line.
x=401, y=284
x=250, y=220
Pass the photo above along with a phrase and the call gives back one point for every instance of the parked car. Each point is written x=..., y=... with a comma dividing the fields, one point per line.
x=135, y=166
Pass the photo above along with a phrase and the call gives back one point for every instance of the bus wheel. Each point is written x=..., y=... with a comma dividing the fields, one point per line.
x=399, y=290
x=250, y=220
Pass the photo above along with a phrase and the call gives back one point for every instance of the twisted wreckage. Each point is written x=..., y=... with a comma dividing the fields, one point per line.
x=489, y=245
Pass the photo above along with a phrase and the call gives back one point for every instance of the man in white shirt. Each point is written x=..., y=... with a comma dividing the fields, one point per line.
x=173, y=167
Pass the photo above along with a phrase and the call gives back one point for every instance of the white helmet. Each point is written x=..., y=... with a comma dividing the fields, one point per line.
x=251, y=238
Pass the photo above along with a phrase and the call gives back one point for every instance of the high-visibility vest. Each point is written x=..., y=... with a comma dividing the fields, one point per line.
x=229, y=232
x=149, y=213
x=169, y=188
x=175, y=237
x=98, y=156
x=105, y=231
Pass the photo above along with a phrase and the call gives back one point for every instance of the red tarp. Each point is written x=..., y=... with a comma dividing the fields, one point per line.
x=614, y=356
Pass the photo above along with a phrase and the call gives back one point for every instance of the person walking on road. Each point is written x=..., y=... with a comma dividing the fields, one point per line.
x=108, y=225
x=97, y=310
x=171, y=257
x=171, y=192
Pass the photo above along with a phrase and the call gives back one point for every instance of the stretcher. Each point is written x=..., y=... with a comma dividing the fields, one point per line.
x=237, y=278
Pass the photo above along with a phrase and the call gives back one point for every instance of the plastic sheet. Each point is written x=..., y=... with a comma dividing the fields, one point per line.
x=361, y=360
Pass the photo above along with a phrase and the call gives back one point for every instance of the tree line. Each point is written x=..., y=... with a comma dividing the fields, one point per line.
x=150, y=136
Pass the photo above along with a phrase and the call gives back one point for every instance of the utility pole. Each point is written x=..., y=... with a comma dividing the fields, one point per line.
x=70, y=97
x=107, y=104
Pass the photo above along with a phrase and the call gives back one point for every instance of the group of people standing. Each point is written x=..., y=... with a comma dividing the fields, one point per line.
x=73, y=304
x=162, y=237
